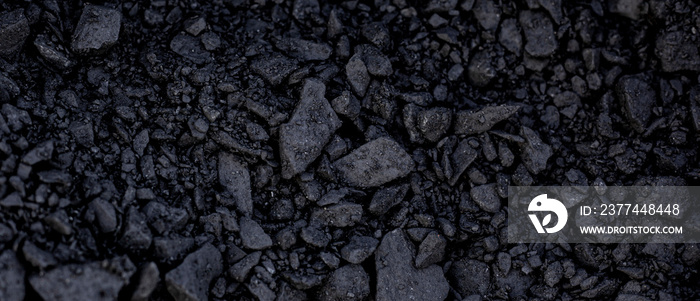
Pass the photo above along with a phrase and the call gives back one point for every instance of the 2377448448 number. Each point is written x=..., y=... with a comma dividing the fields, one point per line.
x=639, y=209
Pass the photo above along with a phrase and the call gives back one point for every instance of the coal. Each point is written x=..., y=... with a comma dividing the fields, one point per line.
x=253, y=236
x=357, y=74
x=636, y=99
x=234, y=176
x=397, y=278
x=431, y=250
x=14, y=30
x=359, y=249
x=239, y=271
x=338, y=215
x=374, y=163
x=349, y=282
x=148, y=276
x=470, y=277
x=97, y=30
x=191, y=279
x=37, y=257
x=535, y=152
x=475, y=122
x=540, y=40
x=302, y=139
x=11, y=277
x=90, y=281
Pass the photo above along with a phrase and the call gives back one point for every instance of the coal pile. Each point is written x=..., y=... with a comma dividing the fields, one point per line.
x=350, y=150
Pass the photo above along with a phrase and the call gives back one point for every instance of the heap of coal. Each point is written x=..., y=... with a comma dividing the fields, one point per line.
x=349, y=150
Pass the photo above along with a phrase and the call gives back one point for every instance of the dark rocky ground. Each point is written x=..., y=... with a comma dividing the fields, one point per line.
x=266, y=149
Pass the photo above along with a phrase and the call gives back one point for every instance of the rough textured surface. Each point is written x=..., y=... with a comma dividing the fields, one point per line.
x=398, y=279
x=91, y=281
x=14, y=30
x=97, y=30
x=310, y=128
x=292, y=137
x=374, y=163
x=191, y=279
x=11, y=277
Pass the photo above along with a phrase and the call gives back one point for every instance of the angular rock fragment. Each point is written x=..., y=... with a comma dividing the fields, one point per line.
x=627, y=8
x=304, y=50
x=149, y=276
x=434, y=123
x=97, y=30
x=253, y=236
x=99, y=281
x=11, y=277
x=191, y=279
x=136, y=234
x=312, y=125
x=41, y=152
x=190, y=47
x=53, y=54
x=358, y=249
x=260, y=290
x=539, y=34
x=239, y=271
x=470, y=277
x=314, y=237
x=350, y=283
x=374, y=163
x=462, y=157
x=475, y=122
x=104, y=214
x=376, y=62
x=338, y=215
x=487, y=13
x=37, y=257
x=637, y=98
x=83, y=133
x=386, y=198
x=486, y=197
x=171, y=248
x=234, y=176
x=164, y=218
x=431, y=250
x=533, y=151
x=14, y=30
x=480, y=71
x=273, y=68
x=302, y=9
x=398, y=279
x=678, y=51
x=59, y=222
x=357, y=74
x=510, y=36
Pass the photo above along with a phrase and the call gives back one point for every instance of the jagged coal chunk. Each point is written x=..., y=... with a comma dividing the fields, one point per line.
x=533, y=151
x=540, y=40
x=470, y=277
x=191, y=279
x=253, y=236
x=11, y=277
x=475, y=122
x=637, y=98
x=312, y=125
x=234, y=176
x=377, y=162
x=350, y=282
x=338, y=215
x=273, y=68
x=100, y=280
x=14, y=30
x=677, y=51
x=97, y=30
x=397, y=278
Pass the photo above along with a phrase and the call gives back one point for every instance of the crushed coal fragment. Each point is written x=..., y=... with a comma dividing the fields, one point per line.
x=397, y=278
x=102, y=280
x=312, y=125
x=97, y=30
x=475, y=122
x=191, y=279
x=377, y=162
